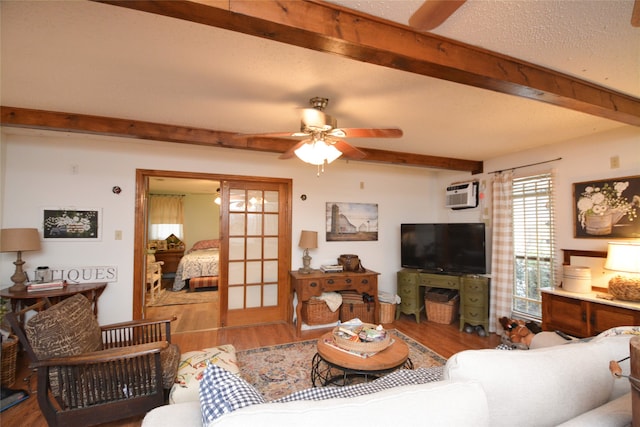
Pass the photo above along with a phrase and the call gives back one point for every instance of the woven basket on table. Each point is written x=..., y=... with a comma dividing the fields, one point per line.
x=362, y=347
x=625, y=288
x=317, y=312
x=9, y=360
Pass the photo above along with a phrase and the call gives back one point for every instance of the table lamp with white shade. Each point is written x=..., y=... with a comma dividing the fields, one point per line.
x=19, y=240
x=624, y=257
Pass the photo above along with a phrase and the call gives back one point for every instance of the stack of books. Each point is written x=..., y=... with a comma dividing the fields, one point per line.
x=9, y=397
x=46, y=286
x=336, y=268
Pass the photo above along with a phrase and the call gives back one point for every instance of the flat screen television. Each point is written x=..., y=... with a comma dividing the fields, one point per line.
x=444, y=248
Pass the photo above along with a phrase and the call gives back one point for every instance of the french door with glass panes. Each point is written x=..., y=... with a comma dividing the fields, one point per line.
x=256, y=224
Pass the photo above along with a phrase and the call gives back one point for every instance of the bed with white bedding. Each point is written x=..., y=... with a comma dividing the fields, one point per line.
x=198, y=262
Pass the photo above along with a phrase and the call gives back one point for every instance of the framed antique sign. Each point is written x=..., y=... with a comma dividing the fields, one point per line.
x=607, y=208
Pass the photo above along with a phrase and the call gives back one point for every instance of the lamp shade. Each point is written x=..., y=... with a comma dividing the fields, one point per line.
x=308, y=239
x=623, y=257
x=19, y=239
x=317, y=152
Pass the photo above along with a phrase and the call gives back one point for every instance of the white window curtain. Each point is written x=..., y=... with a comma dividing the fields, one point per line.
x=502, y=250
x=166, y=216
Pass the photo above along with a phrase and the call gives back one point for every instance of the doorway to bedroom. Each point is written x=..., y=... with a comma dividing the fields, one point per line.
x=251, y=229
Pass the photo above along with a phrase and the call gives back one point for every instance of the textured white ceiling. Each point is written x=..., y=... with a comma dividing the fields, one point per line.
x=98, y=59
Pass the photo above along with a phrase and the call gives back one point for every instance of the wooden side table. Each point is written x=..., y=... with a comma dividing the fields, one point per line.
x=22, y=299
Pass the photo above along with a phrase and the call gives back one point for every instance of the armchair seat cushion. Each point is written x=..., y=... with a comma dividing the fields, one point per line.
x=192, y=367
x=68, y=328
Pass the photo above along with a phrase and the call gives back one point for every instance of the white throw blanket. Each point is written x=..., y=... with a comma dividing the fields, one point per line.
x=333, y=300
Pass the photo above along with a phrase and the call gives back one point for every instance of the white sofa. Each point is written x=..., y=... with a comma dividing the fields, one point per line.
x=568, y=385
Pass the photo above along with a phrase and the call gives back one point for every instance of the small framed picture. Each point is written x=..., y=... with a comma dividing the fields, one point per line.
x=72, y=224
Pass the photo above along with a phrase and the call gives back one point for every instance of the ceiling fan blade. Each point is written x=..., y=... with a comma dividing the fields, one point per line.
x=348, y=150
x=291, y=151
x=270, y=135
x=635, y=14
x=432, y=13
x=366, y=133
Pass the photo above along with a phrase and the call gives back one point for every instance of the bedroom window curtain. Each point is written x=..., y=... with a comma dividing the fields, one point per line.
x=502, y=249
x=166, y=216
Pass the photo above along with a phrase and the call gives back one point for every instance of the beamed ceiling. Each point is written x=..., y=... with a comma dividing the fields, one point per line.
x=201, y=72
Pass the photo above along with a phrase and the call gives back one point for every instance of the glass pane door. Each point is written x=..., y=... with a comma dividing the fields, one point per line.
x=258, y=259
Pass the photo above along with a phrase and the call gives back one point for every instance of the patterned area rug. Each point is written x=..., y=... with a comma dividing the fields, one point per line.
x=280, y=370
x=183, y=297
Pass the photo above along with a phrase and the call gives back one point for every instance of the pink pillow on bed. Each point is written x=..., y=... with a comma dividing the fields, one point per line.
x=205, y=244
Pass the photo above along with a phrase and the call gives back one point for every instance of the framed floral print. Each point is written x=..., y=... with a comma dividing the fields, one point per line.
x=607, y=208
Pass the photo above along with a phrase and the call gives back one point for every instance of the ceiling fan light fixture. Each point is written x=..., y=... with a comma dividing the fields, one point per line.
x=317, y=152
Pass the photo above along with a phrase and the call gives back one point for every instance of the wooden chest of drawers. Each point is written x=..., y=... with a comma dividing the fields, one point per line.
x=171, y=259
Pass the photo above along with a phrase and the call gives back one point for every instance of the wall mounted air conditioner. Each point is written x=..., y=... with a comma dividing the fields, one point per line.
x=462, y=196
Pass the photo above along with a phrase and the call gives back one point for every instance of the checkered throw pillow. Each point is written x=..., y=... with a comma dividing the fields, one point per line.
x=222, y=392
x=395, y=379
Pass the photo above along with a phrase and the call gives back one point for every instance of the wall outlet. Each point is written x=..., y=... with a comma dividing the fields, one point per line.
x=118, y=235
x=614, y=162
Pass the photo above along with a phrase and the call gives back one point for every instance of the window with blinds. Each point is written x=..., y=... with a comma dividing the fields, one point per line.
x=533, y=242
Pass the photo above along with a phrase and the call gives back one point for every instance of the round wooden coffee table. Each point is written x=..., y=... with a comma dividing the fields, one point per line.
x=331, y=365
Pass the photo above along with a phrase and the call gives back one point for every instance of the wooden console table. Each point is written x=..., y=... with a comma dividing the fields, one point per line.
x=585, y=315
x=315, y=283
x=22, y=299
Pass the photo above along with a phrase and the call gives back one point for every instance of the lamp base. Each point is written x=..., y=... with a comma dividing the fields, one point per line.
x=18, y=287
x=306, y=263
x=626, y=288
x=19, y=277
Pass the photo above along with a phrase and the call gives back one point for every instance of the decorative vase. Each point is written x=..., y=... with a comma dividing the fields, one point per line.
x=599, y=225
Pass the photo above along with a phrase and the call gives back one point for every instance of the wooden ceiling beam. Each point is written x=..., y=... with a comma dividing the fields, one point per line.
x=116, y=127
x=330, y=28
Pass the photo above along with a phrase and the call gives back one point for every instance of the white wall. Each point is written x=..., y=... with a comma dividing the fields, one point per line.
x=201, y=219
x=583, y=159
x=39, y=172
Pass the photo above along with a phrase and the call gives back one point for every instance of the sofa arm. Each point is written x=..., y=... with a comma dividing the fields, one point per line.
x=565, y=380
x=616, y=413
x=186, y=414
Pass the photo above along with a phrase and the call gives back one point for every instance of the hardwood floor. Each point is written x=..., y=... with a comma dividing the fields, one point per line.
x=443, y=339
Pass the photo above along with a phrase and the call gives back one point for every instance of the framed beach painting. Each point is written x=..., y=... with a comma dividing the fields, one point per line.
x=607, y=208
x=72, y=224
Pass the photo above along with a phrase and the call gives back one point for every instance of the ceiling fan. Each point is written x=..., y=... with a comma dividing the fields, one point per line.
x=433, y=13
x=322, y=141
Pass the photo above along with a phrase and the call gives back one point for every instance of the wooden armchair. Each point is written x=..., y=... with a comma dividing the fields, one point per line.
x=88, y=374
